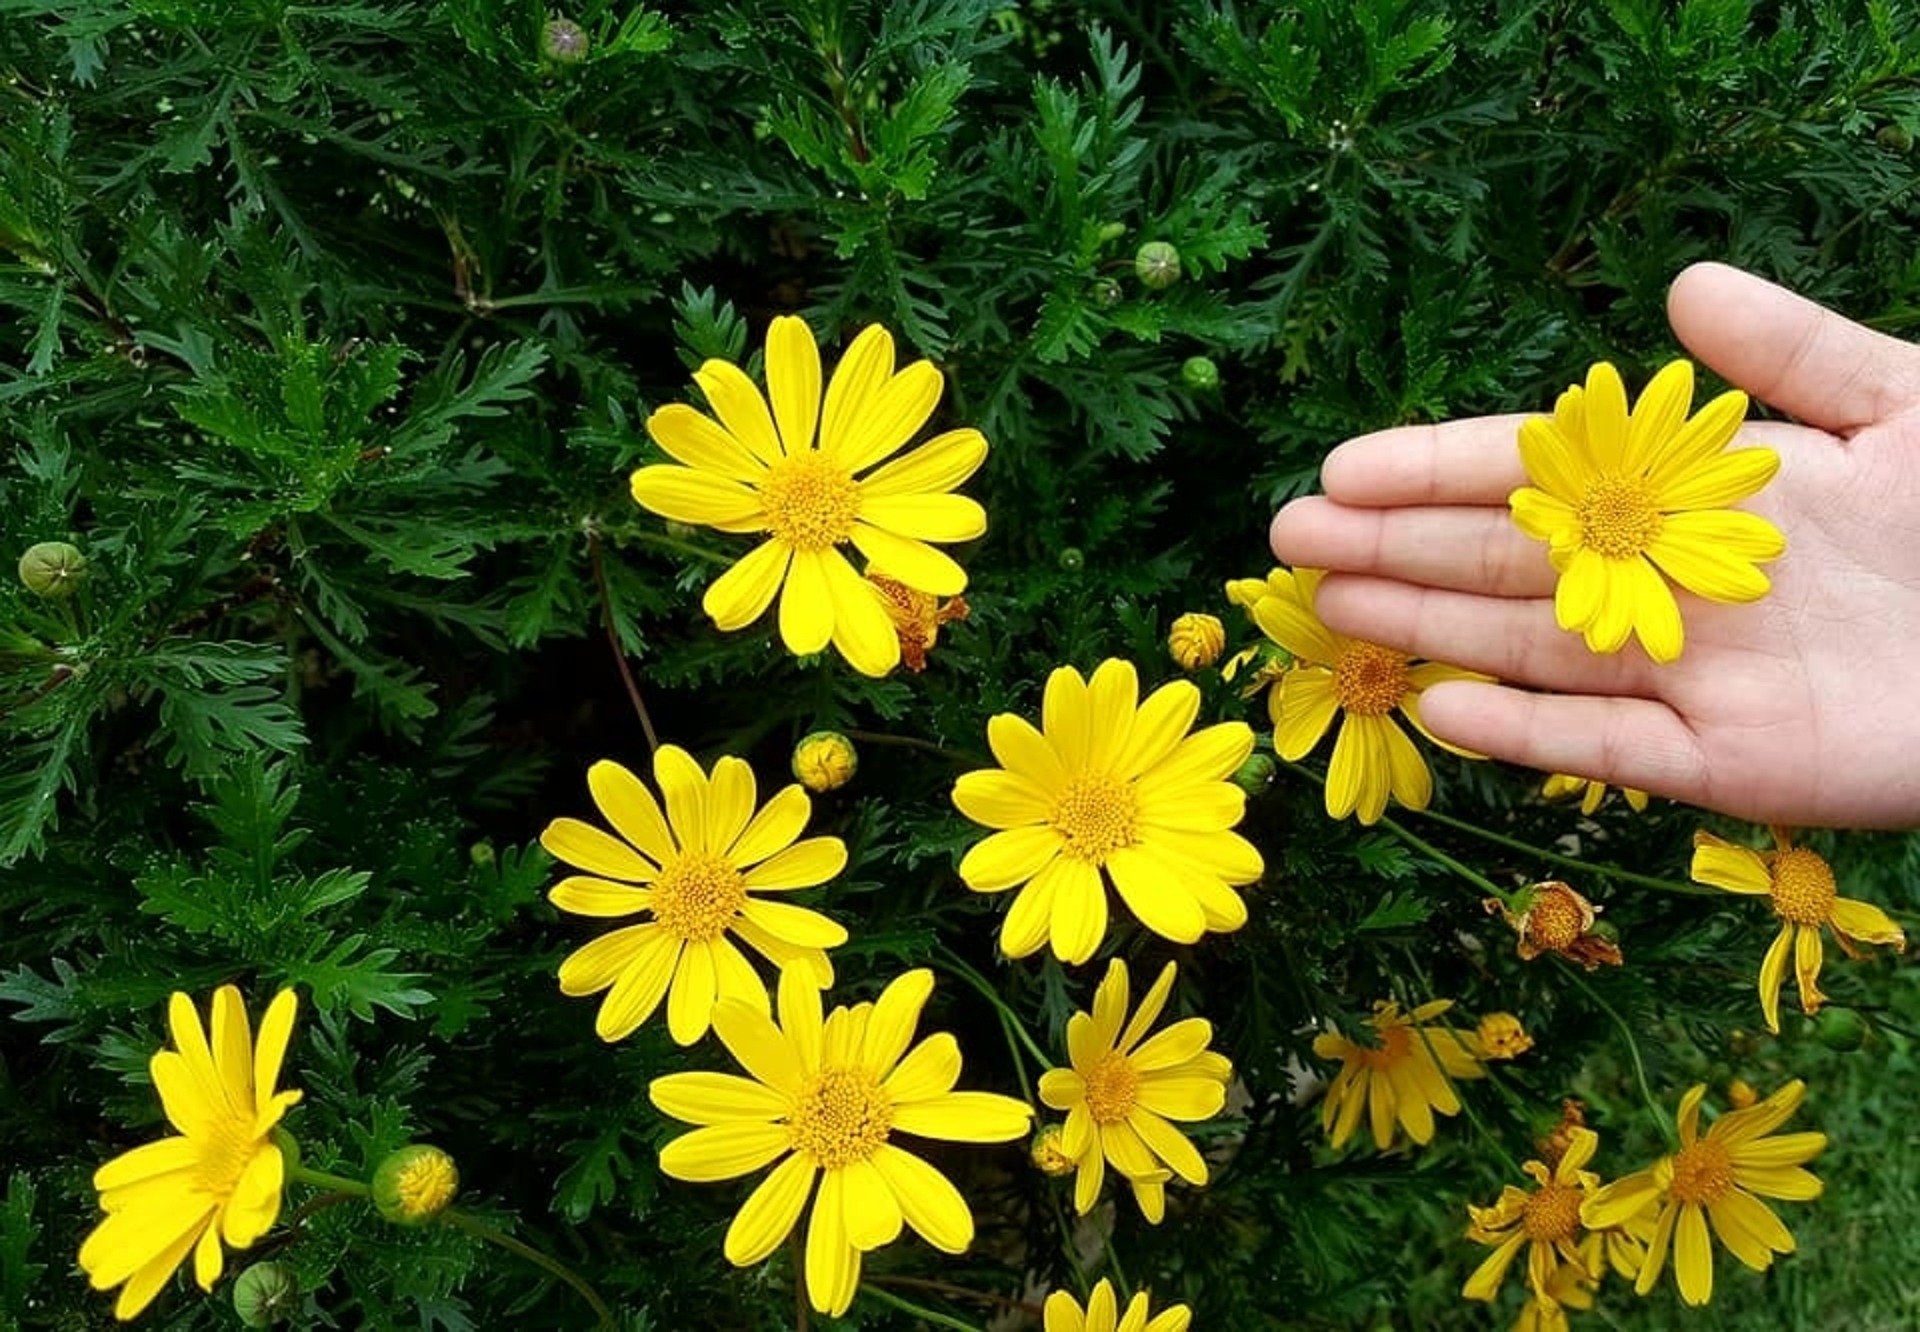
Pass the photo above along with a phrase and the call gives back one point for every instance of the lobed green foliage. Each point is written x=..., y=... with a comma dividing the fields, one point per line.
x=329, y=329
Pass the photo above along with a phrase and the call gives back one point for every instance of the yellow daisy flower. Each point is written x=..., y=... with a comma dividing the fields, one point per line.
x=760, y=470
x=1401, y=1077
x=220, y=1177
x=1125, y=1087
x=1591, y=793
x=825, y=1099
x=694, y=869
x=1719, y=1178
x=1117, y=788
x=1801, y=887
x=1360, y=683
x=1102, y=1314
x=1622, y=498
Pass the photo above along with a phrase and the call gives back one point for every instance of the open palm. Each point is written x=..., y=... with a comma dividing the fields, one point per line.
x=1801, y=709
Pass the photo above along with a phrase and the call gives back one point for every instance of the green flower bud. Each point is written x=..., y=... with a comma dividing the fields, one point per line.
x=265, y=1294
x=824, y=761
x=481, y=854
x=1841, y=1029
x=1107, y=292
x=1071, y=559
x=1895, y=137
x=1157, y=265
x=1111, y=231
x=1198, y=372
x=564, y=42
x=414, y=1184
x=1256, y=774
x=52, y=569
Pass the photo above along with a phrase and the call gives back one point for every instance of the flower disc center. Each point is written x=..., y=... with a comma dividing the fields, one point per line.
x=1619, y=517
x=1803, y=888
x=1369, y=680
x=841, y=1117
x=1113, y=1087
x=1096, y=815
x=698, y=895
x=1395, y=1044
x=811, y=501
x=1553, y=1214
x=1701, y=1173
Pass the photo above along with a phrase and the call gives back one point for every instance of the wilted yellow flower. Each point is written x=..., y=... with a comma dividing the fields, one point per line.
x=1113, y=789
x=1196, y=640
x=1125, y=1087
x=824, y=761
x=1718, y=1178
x=1622, y=498
x=1046, y=1154
x=825, y=1098
x=1402, y=1076
x=1591, y=793
x=917, y=617
x=766, y=471
x=1502, y=1037
x=1063, y=1313
x=1805, y=898
x=219, y=1177
x=1551, y=917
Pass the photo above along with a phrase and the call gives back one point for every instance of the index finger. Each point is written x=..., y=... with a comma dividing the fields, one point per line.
x=1471, y=461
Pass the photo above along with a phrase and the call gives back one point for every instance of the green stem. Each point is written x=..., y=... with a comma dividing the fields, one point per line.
x=1658, y=1111
x=1571, y=862
x=1122, y=1285
x=320, y=1179
x=926, y=1315
x=480, y=1230
x=1434, y=853
x=1466, y=1105
x=1008, y=1016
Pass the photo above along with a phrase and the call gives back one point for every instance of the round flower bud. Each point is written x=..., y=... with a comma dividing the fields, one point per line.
x=1071, y=559
x=1199, y=372
x=1196, y=640
x=1895, y=137
x=1157, y=265
x=1046, y=1154
x=414, y=1184
x=1256, y=774
x=1108, y=292
x=563, y=41
x=1841, y=1029
x=52, y=569
x=824, y=761
x=265, y=1294
x=481, y=854
x=1112, y=231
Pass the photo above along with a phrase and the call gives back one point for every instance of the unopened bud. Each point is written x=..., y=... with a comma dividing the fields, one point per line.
x=1071, y=560
x=1196, y=640
x=564, y=42
x=1046, y=1154
x=1841, y=1029
x=1199, y=372
x=265, y=1294
x=824, y=761
x=52, y=569
x=414, y=1184
x=1157, y=265
x=1256, y=774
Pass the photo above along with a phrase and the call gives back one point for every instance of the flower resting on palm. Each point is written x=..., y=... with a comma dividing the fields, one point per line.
x=1801, y=887
x=825, y=1098
x=812, y=474
x=220, y=1177
x=1623, y=498
x=1125, y=1087
x=1116, y=790
x=695, y=869
x=1717, y=1179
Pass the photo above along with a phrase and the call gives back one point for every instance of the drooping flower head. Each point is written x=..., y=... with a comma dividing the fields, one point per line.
x=1125, y=1087
x=1501, y=1036
x=1400, y=1078
x=1110, y=790
x=1561, y=785
x=220, y=1177
x=1360, y=685
x=1804, y=896
x=1103, y=1313
x=1623, y=498
x=917, y=617
x=825, y=1099
x=1551, y=917
x=1716, y=1179
x=695, y=869
x=812, y=475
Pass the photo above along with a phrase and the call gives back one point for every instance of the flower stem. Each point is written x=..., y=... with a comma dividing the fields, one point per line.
x=1633, y=1051
x=1009, y=1019
x=480, y=1230
x=613, y=642
x=1571, y=862
x=1434, y=853
x=926, y=1315
x=320, y=1179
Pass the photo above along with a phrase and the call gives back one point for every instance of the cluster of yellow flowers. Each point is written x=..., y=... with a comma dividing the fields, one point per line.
x=1108, y=795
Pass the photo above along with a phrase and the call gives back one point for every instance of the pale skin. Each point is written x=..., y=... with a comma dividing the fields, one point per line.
x=1802, y=709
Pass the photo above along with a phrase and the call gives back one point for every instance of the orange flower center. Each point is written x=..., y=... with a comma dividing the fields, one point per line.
x=1113, y=1086
x=1395, y=1044
x=1803, y=888
x=1096, y=815
x=1369, y=680
x=227, y=1147
x=1619, y=517
x=1555, y=921
x=1553, y=1214
x=811, y=501
x=1701, y=1173
x=698, y=895
x=842, y=1117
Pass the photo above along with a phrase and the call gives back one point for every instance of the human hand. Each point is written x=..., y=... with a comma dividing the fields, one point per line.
x=1802, y=709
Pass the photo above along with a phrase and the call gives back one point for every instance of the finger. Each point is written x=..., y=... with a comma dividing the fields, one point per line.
x=1790, y=352
x=1473, y=461
x=1512, y=640
x=1633, y=742
x=1467, y=549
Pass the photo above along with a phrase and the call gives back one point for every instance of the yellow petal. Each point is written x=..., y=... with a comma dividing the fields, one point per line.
x=1721, y=864
x=683, y=495
x=895, y=1016
x=806, y=864
x=1028, y=919
x=1021, y=749
x=276, y=1030
x=763, y=1049
x=770, y=1211
x=1790, y=1183
x=1749, y=1229
x=583, y=896
x=1009, y=858
x=1306, y=706
x=864, y=369
x=928, y=1200
x=1785, y=1149
x=832, y=1263
x=691, y=997
x=693, y=438
x=740, y=407
x=629, y=806
x=1152, y=889
x=1580, y=591
x=863, y=632
x=715, y=1098
x=1062, y=1314
x=1210, y=754
x=1542, y=516
x=775, y=827
x=1710, y=430
x=1866, y=923
x=1159, y=726
x=638, y=989
x=1174, y=1044
x=1773, y=971
x=965, y=1116
x=1718, y=482
x=1484, y=1284
x=1152, y=1004
x=599, y=853
x=1606, y=416
x=794, y=924
x=943, y=462
x=742, y=594
x=1297, y=629
x=731, y=798
x=1656, y=615
x=873, y=1216
x=890, y=418
x=806, y=603
x=1808, y=952
x=911, y=561
x=683, y=784
x=1693, y=1255
x=929, y=1069
x=723, y=1151
x=943, y=517
x=793, y=381
x=1411, y=783
x=1658, y=415
x=1550, y=461
x=1169, y=1144
x=1079, y=916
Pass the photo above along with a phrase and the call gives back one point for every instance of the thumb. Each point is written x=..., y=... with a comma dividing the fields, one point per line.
x=1791, y=353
